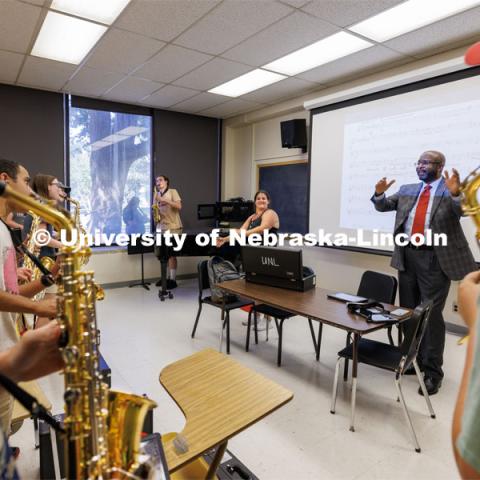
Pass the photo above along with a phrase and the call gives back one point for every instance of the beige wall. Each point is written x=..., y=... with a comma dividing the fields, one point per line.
x=116, y=266
x=254, y=138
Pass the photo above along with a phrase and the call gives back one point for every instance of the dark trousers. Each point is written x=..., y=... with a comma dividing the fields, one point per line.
x=424, y=280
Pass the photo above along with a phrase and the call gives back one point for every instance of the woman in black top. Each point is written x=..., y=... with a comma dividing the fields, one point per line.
x=263, y=219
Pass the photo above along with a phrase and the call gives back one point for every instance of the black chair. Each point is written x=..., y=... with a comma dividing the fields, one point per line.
x=381, y=288
x=393, y=358
x=279, y=316
x=204, y=284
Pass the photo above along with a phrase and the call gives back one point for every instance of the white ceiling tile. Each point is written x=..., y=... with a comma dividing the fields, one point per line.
x=120, y=51
x=43, y=73
x=171, y=63
x=17, y=25
x=359, y=63
x=10, y=64
x=132, y=89
x=91, y=81
x=212, y=74
x=347, y=12
x=295, y=3
x=201, y=102
x=289, y=34
x=168, y=96
x=230, y=23
x=231, y=108
x=440, y=36
x=163, y=19
x=288, y=88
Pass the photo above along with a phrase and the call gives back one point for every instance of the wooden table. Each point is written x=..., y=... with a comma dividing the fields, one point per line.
x=314, y=305
x=219, y=398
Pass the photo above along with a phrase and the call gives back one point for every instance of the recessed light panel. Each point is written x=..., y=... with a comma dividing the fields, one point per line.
x=247, y=83
x=409, y=16
x=66, y=39
x=103, y=11
x=326, y=50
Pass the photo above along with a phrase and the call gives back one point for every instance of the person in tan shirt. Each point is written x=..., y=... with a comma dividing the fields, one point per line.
x=168, y=204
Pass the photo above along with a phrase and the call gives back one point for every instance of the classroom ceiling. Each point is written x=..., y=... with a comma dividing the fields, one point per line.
x=168, y=53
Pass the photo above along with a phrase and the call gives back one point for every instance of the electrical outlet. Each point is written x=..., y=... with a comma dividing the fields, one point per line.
x=455, y=306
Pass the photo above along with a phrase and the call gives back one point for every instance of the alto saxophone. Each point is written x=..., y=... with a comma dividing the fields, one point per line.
x=102, y=427
x=470, y=205
x=25, y=321
x=81, y=233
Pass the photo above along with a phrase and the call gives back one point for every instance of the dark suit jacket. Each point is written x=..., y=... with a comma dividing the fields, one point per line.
x=456, y=259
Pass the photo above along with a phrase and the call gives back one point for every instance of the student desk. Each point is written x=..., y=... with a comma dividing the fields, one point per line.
x=219, y=398
x=315, y=305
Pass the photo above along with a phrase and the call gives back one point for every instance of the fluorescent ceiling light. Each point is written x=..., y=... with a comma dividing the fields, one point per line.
x=409, y=16
x=247, y=83
x=66, y=39
x=326, y=50
x=104, y=11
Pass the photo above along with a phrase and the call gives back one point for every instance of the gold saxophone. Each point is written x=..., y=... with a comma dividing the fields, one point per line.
x=102, y=427
x=26, y=321
x=81, y=233
x=470, y=206
x=156, y=213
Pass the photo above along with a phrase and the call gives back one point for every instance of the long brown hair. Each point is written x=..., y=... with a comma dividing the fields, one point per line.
x=40, y=184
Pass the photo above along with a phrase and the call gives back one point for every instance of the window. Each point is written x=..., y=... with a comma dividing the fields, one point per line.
x=110, y=170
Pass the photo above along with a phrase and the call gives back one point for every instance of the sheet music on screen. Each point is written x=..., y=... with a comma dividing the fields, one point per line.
x=353, y=147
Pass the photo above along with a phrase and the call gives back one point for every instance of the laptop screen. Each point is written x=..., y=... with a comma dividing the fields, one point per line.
x=273, y=262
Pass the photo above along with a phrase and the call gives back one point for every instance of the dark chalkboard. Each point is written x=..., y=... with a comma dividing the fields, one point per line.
x=287, y=184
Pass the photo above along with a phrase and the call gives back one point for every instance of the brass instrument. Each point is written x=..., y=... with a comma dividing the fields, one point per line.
x=470, y=206
x=102, y=428
x=99, y=291
x=156, y=213
x=26, y=321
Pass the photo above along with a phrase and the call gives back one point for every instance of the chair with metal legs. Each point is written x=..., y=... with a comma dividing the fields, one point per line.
x=392, y=358
x=381, y=288
x=204, y=284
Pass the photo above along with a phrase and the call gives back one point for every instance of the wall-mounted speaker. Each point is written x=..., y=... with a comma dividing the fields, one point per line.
x=294, y=133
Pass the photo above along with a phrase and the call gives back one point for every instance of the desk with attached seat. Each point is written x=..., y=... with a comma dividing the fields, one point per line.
x=219, y=398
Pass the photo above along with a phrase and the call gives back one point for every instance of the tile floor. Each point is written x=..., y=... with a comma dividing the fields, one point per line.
x=302, y=440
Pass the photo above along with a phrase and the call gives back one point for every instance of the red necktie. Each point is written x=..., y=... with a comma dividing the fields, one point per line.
x=421, y=211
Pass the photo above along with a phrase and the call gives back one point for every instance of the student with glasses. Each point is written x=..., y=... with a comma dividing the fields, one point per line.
x=425, y=271
x=49, y=188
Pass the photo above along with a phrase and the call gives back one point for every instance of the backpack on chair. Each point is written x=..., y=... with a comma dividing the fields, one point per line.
x=220, y=270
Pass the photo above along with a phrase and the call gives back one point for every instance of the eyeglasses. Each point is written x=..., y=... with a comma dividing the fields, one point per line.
x=425, y=164
x=57, y=184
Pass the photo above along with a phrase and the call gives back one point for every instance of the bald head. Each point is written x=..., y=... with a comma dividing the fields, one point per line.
x=430, y=166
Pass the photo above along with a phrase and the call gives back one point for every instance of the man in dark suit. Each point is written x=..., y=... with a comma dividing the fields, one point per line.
x=425, y=272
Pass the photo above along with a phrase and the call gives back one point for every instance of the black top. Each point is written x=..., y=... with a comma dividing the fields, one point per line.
x=258, y=221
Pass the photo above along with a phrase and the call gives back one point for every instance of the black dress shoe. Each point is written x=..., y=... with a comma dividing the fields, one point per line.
x=432, y=386
x=171, y=284
x=159, y=283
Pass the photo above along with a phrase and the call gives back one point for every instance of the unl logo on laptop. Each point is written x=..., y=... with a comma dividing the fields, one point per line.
x=271, y=261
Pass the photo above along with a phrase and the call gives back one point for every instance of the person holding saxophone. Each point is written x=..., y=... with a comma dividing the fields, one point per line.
x=166, y=213
x=49, y=188
x=14, y=298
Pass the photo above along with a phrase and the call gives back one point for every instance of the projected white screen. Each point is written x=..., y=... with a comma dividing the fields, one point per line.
x=355, y=146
